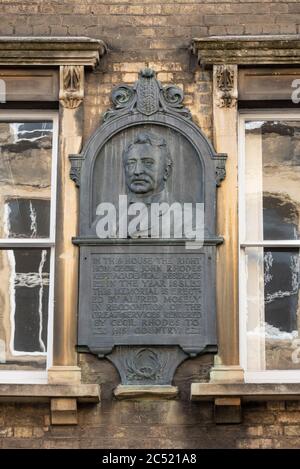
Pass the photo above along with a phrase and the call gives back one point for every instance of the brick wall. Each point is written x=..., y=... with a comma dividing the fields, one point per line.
x=148, y=32
x=157, y=34
x=149, y=423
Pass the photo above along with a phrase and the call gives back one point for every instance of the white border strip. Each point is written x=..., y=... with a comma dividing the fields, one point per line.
x=23, y=377
x=266, y=376
x=37, y=377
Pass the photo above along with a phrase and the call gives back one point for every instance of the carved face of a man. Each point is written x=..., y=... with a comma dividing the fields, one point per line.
x=147, y=164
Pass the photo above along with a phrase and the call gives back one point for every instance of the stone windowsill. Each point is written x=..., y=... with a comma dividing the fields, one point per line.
x=245, y=391
x=46, y=392
x=147, y=391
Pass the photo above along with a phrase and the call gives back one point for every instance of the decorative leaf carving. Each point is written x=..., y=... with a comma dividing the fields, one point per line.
x=71, y=78
x=147, y=90
x=71, y=86
x=145, y=364
x=225, y=85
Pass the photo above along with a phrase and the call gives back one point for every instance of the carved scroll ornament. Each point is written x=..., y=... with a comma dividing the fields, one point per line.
x=147, y=96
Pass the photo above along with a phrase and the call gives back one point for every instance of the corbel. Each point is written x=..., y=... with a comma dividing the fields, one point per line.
x=64, y=411
x=71, y=91
x=225, y=77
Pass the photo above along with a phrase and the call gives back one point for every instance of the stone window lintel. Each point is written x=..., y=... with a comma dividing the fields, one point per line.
x=247, y=50
x=50, y=51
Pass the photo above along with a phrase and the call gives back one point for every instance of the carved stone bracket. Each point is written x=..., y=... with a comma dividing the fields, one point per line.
x=64, y=411
x=220, y=162
x=71, y=85
x=146, y=365
x=147, y=96
x=76, y=162
x=226, y=86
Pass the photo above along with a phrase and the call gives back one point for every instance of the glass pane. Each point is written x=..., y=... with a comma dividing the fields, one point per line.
x=273, y=308
x=25, y=179
x=272, y=180
x=24, y=294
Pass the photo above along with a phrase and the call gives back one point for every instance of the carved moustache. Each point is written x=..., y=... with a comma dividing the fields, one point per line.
x=140, y=179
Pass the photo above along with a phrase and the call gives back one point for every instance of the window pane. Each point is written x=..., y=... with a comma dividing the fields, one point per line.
x=273, y=308
x=25, y=179
x=272, y=180
x=24, y=293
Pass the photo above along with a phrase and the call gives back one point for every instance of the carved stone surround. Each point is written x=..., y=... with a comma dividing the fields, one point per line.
x=225, y=54
x=71, y=55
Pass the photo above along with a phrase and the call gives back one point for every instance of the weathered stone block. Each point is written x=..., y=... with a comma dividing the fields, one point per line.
x=64, y=411
x=23, y=432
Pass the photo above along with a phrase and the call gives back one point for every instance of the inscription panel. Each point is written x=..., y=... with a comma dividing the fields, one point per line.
x=146, y=294
x=138, y=295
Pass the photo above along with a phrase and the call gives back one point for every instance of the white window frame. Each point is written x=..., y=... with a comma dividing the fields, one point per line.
x=41, y=376
x=264, y=376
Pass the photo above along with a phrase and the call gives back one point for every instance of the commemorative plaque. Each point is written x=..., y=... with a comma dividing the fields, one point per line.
x=148, y=179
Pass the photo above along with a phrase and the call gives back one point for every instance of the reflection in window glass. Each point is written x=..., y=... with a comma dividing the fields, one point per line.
x=25, y=179
x=24, y=275
x=273, y=308
x=272, y=180
x=26, y=150
x=26, y=218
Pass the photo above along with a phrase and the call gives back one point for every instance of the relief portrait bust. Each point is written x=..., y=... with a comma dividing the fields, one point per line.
x=147, y=165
